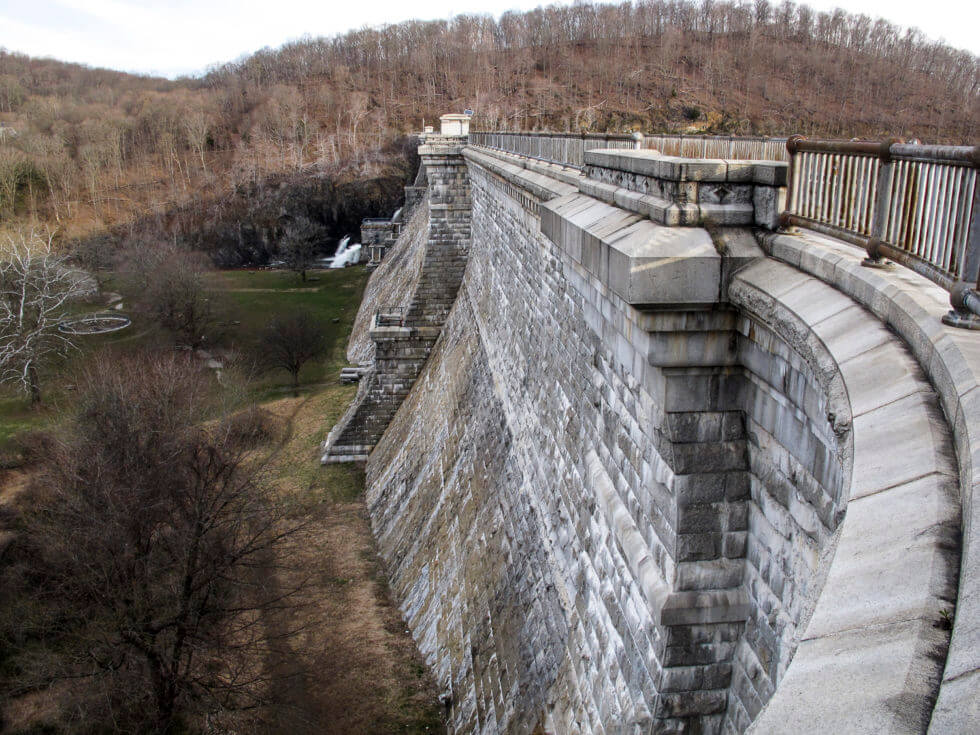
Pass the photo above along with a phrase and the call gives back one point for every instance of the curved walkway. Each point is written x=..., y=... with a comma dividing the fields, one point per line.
x=873, y=655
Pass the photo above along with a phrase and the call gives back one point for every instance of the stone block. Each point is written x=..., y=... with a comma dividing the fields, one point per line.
x=880, y=376
x=875, y=678
x=851, y=332
x=958, y=706
x=770, y=173
x=894, y=561
x=899, y=442
x=768, y=204
x=739, y=171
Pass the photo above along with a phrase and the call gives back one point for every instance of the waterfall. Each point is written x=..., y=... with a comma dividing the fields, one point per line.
x=346, y=255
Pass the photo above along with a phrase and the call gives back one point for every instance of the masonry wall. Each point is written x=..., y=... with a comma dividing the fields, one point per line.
x=797, y=419
x=479, y=500
x=392, y=283
x=402, y=348
x=543, y=458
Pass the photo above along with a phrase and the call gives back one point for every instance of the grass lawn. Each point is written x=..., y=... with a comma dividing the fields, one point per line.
x=245, y=300
x=252, y=296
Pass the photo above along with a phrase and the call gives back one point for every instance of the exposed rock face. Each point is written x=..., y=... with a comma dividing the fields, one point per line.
x=601, y=516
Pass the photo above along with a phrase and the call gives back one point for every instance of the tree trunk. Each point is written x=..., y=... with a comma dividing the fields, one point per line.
x=34, y=385
x=295, y=383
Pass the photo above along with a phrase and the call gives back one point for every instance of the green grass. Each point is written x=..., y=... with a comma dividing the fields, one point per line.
x=333, y=299
x=245, y=300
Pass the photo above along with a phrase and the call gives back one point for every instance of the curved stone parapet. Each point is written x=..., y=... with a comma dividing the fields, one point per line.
x=950, y=358
x=872, y=641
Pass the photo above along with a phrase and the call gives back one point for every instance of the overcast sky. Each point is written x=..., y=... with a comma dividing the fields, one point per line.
x=173, y=37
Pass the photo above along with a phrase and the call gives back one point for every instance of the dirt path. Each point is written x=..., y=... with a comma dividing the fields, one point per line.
x=354, y=667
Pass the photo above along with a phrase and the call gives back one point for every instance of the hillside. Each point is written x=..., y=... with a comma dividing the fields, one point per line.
x=96, y=150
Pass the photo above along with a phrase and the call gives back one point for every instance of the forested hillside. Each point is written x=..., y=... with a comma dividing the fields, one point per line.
x=91, y=150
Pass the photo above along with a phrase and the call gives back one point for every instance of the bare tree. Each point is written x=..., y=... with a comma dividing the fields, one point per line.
x=36, y=287
x=150, y=557
x=289, y=341
x=97, y=256
x=169, y=285
x=299, y=244
x=197, y=126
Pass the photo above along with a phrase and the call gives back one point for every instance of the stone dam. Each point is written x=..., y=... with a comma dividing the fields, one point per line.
x=640, y=462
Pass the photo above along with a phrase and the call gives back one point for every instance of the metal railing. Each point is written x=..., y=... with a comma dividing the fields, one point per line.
x=569, y=149
x=915, y=204
x=102, y=322
x=730, y=147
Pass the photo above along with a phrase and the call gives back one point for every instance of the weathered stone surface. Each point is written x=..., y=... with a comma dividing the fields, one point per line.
x=434, y=275
x=639, y=261
x=392, y=284
x=604, y=518
x=680, y=191
x=912, y=307
x=869, y=680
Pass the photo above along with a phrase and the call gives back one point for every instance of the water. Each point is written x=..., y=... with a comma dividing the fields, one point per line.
x=396, y=215
x=345, y=254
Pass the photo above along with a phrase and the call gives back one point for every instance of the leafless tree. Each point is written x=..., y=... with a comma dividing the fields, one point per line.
x=152, y=553
x=169, y=285
x=289, y=341
x=97, y=256
x=299, y=244
x=197, y=126
x=36, y=287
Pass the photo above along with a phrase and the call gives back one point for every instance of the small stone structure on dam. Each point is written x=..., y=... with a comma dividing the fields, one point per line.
x=638, y=461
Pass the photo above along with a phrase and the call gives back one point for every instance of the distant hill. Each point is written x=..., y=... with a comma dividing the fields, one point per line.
x=97, y=149
x=714, y=66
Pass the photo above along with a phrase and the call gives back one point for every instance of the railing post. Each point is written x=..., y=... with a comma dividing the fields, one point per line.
x=883, y=200
x=964, y=297
x=792, y=192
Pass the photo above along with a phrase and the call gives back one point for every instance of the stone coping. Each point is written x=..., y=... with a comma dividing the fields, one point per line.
x=674, y=168
x=541, y=181
x=441, y=145
x=644, y=263
x=396, y=332
x=912, y=306
x=866, y=661
x=546, y=180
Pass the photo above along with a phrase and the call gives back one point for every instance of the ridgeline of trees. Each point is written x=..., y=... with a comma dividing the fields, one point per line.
x=740, y=67
x=96, y=149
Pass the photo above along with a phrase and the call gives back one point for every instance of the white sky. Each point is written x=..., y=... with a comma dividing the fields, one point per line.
x=172, y=37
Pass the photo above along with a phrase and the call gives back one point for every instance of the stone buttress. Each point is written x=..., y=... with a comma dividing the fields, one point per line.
x=404, y=337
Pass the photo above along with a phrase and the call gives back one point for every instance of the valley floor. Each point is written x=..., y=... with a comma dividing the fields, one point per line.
x=354, y=668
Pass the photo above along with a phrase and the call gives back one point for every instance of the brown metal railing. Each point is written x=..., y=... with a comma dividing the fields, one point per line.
x=730, y=147
x=915, y=204
x=569, y=149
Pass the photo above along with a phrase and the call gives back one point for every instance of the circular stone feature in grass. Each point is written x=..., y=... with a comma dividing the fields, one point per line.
x=101, y=323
